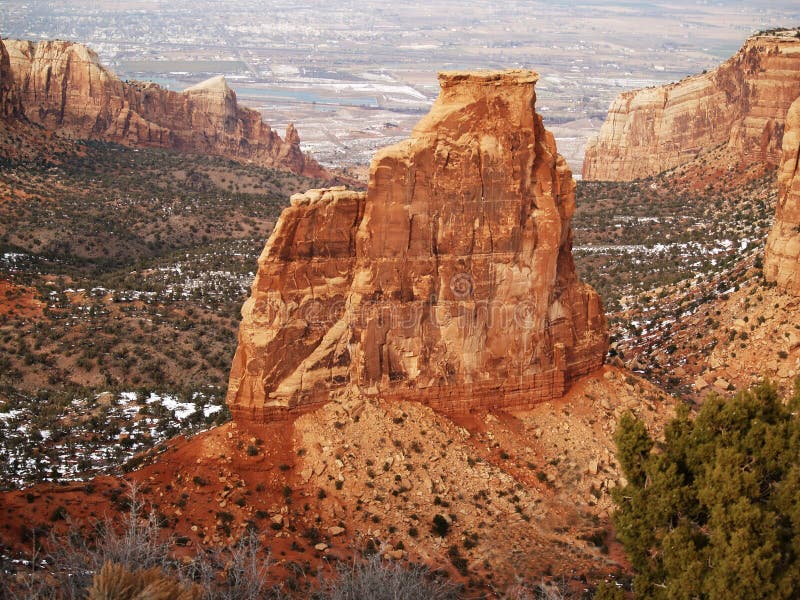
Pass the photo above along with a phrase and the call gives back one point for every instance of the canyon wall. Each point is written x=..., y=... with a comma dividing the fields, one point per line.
x=450, y=281
x=740, y=105
x=10, y=105
x=63, y=87
x=782, y=254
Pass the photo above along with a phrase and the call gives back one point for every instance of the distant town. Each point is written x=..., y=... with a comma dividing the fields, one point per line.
x=358, y=75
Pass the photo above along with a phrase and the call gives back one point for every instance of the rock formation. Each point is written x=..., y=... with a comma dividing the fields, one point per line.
x=741, y=105
x=782, y=254
x=64, y=87
x=450, y=281
x=10, y=105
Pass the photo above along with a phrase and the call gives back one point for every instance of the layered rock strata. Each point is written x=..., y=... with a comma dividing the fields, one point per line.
x=63, y=87
x=450, y=281
x=740, y=104
x=782, y=254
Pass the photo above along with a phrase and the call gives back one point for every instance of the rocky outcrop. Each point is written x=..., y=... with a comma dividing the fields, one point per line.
x=10, y=105
x=450, y=281
x=64, y=87
x=741, y=105
x=782, y=254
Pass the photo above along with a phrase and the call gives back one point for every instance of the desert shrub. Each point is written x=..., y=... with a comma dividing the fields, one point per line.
x=115, y=582
x=458, y=561
x=378, y=580
x=136, y=542
x=131, y=558
x=238, y=573
x=440, y=525
x=608, y=591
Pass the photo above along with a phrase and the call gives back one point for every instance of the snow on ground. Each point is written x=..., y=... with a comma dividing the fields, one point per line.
x=94, y=434
x=180, y=409
x=720, y=247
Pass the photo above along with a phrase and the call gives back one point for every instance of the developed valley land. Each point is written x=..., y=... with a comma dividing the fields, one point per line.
x=357, y=76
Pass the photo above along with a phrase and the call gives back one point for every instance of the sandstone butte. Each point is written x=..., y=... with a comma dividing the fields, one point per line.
x=782, y=253
x=63, y=87
x=739, y=106
x=449, y=281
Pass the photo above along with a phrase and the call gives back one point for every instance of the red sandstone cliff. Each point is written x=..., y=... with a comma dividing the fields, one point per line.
x=450, y=280
x=10, y=105
x=63, y=87
x=782, y=254
x=741, y=104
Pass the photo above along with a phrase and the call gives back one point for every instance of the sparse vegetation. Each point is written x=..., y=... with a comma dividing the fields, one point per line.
x=441, y=526
x=375, y=579
x=134, y=284
x=674, y=248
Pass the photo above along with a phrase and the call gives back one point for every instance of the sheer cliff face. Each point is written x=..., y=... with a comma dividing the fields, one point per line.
x=450, y=281
x=9, y=98
x=782, y=254
x=64, y=87
x=741, y=104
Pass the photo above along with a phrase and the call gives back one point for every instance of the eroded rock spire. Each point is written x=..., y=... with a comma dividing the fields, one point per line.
x=451, y=281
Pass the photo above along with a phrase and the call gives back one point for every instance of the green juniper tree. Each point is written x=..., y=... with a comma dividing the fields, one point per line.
x=714, y=510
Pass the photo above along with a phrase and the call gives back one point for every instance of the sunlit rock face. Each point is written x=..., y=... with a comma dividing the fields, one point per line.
x=450, y=281
x=64, y=88
x=782, y=254
x=740, y=105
